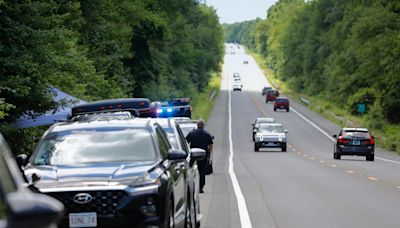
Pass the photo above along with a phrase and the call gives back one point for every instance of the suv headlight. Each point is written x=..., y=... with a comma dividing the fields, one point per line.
x=142, y=181
x=282, y=138
x=259, y=137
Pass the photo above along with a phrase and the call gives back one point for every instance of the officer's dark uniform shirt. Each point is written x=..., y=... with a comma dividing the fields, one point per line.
x=199, y=138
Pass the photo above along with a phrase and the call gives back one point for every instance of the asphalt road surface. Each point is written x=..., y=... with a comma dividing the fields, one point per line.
x=303, y=187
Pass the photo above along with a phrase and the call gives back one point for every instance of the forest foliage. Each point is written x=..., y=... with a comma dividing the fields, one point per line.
x=100, y=49
x=346, y=52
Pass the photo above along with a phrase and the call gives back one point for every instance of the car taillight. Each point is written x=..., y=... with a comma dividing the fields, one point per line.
x=343, y=140
x=369, y=141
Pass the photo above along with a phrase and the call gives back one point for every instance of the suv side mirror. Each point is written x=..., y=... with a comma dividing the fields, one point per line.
x=196, y=154
x=33, y=210
x=176, y=155
x=335, y=136
x=22, y=160
x=286, y=131
x=252, y=124
x=212, y=137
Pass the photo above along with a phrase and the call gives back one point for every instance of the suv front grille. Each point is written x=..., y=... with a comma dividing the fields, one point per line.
x=104, y=203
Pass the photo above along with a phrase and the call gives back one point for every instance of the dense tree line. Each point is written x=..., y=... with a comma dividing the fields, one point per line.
x=98, y=49
x=344, y=51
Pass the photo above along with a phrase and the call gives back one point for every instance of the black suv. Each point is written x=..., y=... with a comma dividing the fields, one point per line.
x=19, y=207
x=177, y=139
x=354, y=141
x=112, y=172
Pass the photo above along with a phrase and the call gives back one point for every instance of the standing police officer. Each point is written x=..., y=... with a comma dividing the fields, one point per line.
x=199, y=138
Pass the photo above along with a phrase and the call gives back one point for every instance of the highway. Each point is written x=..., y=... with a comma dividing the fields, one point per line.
x=303, y=187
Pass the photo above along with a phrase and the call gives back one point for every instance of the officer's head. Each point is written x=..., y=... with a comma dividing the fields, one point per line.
x=200, y=123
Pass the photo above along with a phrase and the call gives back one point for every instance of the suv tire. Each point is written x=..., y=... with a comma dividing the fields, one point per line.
x=336, y=156
x=284, y=149
x=256, y=148
x=370, y=157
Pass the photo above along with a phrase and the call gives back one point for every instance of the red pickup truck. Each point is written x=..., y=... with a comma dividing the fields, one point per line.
x=271, y=95
x=281, y=103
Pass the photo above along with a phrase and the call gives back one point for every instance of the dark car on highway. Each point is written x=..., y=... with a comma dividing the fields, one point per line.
x=177, y=107
x=281, y=103
x=258, y=121
x=187, y=126
x=138, y=106
x=19, y=206
x=271, y=95
x=265, y=90
x=112, y=173
x=178, y=141
x=354, y=141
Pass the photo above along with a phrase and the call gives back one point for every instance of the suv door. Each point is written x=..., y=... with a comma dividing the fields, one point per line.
x=178, y=173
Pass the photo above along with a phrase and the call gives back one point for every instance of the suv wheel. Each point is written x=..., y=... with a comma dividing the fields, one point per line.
x=287, y=110
x=256, y=148
x=274, y=109
x=370, y=157
x=190, y=221
x=284, y=149
x=170, y=222
x=336, y=156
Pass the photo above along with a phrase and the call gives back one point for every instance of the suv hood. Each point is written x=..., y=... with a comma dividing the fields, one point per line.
x=88, y=174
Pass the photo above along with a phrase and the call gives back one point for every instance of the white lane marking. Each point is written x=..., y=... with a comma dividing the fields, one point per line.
x=243, y=212
x=327, y=135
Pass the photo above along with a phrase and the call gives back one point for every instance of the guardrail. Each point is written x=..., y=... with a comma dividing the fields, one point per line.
x=212, y=94
x=305, y=100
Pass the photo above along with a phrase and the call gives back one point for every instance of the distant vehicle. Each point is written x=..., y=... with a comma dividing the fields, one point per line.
x=138, y=106
x=270, y=135
x=245, y=62
x=19, y=206
x=177, y=107
x=265, y=90
x=354, y=141
x=258, y=121
x=118, y=173
x=271, y=95
x=281, y=103
x=237, y=86
x=238, y=81
x=236, y=75
x=187, y=126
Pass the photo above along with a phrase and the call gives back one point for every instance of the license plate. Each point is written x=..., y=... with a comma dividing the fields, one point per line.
x=282, y=106
x=88, y=219
x=356, y=143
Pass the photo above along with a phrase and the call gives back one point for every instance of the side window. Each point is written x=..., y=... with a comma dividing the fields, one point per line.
x=7, y=184
x=162, y=142
x=3, y=211
x=182, y=139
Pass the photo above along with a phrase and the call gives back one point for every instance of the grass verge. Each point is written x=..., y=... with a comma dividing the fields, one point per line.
x=203, y=103
x=387, y=135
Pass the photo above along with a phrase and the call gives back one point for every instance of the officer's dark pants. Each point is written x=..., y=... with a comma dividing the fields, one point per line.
x=202, y=166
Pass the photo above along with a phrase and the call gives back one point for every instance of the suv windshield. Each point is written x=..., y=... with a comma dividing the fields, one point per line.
x=271, y=128
x=260, y=121
x=95, y=145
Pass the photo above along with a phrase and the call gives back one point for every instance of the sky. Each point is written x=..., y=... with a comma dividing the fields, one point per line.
x=231, y=11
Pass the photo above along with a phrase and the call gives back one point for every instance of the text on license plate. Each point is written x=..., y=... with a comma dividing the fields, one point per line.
x=88, y=219
x=356, y=142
